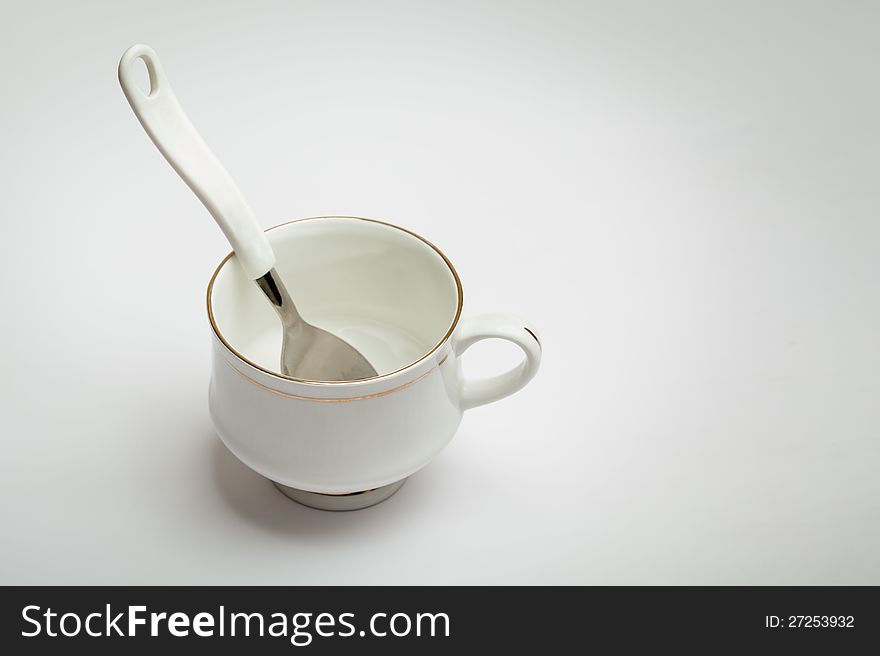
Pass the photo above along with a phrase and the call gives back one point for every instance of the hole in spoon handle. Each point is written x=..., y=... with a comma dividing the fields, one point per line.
x=128, y=74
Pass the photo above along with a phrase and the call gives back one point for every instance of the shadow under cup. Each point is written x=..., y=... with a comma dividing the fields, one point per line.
x=387, y=292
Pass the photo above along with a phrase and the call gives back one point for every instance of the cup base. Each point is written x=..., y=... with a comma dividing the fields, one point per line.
x=341, y=502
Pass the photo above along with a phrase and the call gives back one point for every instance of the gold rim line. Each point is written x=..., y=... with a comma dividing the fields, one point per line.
x=316, y=399
x=274, y=374
x=526, y=328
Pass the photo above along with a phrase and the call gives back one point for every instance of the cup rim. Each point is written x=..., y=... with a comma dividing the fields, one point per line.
x=279, y=376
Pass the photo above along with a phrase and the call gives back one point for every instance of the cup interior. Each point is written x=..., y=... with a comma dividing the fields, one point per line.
x=386, y=291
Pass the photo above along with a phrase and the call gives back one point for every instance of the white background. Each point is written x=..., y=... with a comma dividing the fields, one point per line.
x=683, y=197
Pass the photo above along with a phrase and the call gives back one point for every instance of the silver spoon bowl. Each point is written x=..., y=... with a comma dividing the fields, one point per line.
x=309, y=352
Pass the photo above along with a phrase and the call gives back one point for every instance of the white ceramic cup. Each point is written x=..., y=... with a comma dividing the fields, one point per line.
x=396, y=298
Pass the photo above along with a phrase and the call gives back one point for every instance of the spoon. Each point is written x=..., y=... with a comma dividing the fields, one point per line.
x=307, y=352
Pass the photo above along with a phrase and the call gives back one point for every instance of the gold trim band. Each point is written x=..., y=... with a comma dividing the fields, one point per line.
x=526, y=328
x=316, y=399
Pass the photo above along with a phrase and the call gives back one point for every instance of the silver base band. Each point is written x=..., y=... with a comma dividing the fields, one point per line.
x=341, y=502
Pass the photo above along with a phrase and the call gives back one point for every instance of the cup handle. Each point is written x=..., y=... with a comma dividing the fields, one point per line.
x=471, y=330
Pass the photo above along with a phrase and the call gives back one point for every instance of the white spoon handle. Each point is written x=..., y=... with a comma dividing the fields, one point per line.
x=174, y=135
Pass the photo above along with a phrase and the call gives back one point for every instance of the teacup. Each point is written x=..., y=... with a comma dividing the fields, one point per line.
x=397, y=299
